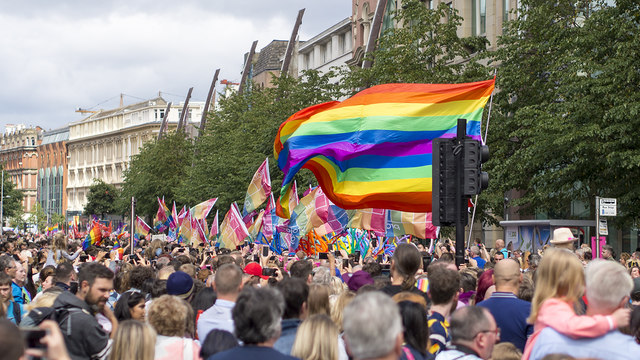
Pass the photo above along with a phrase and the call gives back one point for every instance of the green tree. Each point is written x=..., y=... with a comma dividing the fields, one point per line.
x=12, y=202
x=37, y=217
x=424, y=47
x=568, y=105
x=241, y=134
x=156, y=172
x=101, y=199
x=17, y=219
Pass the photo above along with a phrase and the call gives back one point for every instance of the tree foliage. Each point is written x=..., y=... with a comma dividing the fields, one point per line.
x=423, y=48
x=101, y=199
x=37, y=217
x=240, y=136
x=156, y=171
x=568, y=103
x=12, y=202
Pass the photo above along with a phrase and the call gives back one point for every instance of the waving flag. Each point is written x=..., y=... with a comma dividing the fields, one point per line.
x=373, y=150
x=201, y=210
x=141, y=228
x=93, y=237
x=404, y=223
x=368, y=219
x=183, y=213
x=173, y=225
x=214, y=227
x=259, y=188
x=232, y=231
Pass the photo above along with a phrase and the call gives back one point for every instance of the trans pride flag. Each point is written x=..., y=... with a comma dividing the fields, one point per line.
x=373, y=150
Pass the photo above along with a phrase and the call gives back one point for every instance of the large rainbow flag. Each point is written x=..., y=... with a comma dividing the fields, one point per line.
x=373, y=150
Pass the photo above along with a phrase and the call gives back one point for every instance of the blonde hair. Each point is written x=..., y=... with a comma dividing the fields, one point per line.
x=316, y=339
x=59, y=242
x=133, y=340
x=506, y=351
x=337, y=286
x=318, y=299
x=45, y=299
x=170, y=316
x=337, y=310
x=560, y=276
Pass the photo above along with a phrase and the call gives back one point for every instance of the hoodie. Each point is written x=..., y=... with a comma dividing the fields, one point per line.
x=84, y=337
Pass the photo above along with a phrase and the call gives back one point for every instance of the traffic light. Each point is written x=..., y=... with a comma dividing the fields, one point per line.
x=475, y=180
x=443, y=176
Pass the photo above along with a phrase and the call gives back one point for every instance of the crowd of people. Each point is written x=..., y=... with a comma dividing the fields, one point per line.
x=174, y=301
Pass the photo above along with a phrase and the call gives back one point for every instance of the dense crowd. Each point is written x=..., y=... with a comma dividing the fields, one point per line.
x=173, y=301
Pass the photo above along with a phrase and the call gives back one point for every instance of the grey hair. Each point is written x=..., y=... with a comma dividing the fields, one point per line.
x=6, y=261
x=467, y=322
x=257, y=315
x=608, y=282
x=475, y=250
x=371, y=324
x=322, y=275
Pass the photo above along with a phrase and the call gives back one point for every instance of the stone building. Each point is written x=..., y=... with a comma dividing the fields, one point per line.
x=19, y=157
x=101, y=145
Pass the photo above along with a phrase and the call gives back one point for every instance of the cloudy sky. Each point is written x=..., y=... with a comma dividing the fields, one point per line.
x=56, y=56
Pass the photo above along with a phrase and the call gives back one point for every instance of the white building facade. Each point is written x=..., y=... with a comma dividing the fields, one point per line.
x=101, y=145
x=330, y=48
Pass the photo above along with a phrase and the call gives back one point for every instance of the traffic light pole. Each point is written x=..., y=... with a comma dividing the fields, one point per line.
x=461, y=221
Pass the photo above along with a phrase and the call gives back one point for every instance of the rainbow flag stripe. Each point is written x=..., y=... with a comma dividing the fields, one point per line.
x=373, y=150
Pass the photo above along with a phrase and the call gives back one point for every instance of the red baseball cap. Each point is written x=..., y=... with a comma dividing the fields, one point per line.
x=254, y=269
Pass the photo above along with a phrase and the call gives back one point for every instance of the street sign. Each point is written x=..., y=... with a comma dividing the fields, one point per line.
x=602, y=227
x=608, y=207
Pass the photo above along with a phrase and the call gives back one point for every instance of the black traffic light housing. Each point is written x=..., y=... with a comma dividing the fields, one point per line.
x=456, y=171
x=475, y=180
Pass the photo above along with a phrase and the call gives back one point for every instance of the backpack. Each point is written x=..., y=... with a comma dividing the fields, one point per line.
x=59, y=315
x=17, y=314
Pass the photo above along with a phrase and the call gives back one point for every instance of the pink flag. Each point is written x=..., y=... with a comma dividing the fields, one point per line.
x=368, y=219
x=214, y=227
x=201, y=210
x=259, y=188
x=271, y=204
x=232, y=231
x=174, y=218
x=183, y=213
x=293, y=199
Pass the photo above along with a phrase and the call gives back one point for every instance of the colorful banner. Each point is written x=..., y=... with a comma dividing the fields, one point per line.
x=373, y=150
x=232, y=231
x=259, y=188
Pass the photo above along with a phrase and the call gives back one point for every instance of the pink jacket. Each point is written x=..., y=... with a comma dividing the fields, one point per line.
x=560, y=316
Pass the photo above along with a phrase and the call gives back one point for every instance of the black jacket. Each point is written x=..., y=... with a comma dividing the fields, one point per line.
x=84, y=336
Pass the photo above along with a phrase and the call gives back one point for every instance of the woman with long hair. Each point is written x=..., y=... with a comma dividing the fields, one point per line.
x=416, y=331
x=133, y=340
x=318, y=300
x=59, y=251
x=405, y=263
x=316, y=339
x=560, y=283
x=130, y=305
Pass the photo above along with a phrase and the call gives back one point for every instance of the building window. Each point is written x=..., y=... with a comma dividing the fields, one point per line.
x=478, y=17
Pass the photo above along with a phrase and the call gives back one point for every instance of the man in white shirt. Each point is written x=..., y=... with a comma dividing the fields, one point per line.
x=227, y=285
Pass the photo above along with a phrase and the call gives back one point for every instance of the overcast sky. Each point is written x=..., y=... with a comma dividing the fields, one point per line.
x=56, y=56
